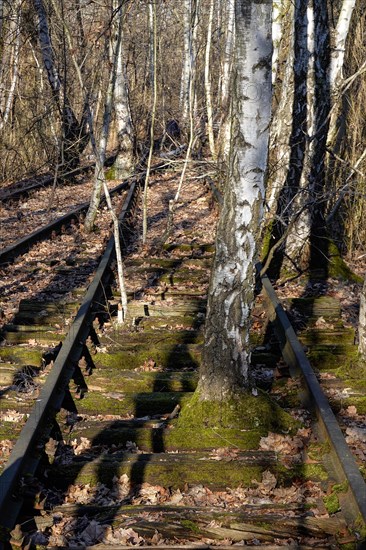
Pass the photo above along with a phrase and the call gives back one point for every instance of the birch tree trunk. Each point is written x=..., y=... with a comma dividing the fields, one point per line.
x=336, y=66
x=14, y=38
x=276, y=35
x=339, y=50
x=306, y=242
x=210, y=131
x=224, y=133
x=295, y=197
x=100, y=152
x=124, y=162
x=186, y=69
x=362, y=323
x=282, y=123
x=153, y=45
x=225, y=369
x=73, y=135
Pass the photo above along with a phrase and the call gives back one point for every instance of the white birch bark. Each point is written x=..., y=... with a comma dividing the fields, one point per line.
x=196, y=8
x=228, y=55
x=186, y=69
x=15, y=34
x=153, y=46
x=225, y=123
x=124, y=162
x=99, y=176
x=41, y=89
x=362, y=323
x=276, y=35
x=47, y=51
x=73, y=136
x=281, y=127
x=306, y=246
x=210, y=131
x=336, y=65
x=298, y=238
x=225, y=369
x=341, y=33
x=100, y=155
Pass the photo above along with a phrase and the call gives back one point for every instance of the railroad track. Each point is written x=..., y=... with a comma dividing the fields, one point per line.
x=10, y=252
x=113, y=467
x=22, y=245
x=26, y=187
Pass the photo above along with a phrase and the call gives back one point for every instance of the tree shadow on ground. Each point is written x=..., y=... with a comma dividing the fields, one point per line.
x=109, y=469
x=147, y=429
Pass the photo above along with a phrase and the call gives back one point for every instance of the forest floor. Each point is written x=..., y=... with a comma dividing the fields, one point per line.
x=195, y=214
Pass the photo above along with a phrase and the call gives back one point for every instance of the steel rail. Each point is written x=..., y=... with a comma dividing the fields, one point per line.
x=28, y=449
x=344, y=465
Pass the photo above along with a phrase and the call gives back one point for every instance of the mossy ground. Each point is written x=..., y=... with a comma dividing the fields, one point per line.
x=176, y=472
x=337, y=267
x=21, y=355
x=131, y=381
x=174, y=356
x=152, y=439
x=244, y=411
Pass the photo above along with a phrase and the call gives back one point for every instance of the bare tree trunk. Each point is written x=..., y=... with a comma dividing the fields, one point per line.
x=186, y=69
x=225, y=368
x=153, y=25
x=224, y=133
x=2, y=11
x=336, y=66
x=362, y=323
x=15, y=34
x=339, y=50
x=306, y=242
x=282, y=122
x=100, y=155
x=276, y=35
x=297, y=193
x=73, y=135
x=124, y=162
x=210, y=131
x=103, y=139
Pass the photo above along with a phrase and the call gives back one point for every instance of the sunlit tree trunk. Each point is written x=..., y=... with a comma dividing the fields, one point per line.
x=14, y=38
x=153, y=45
x=186, y=69
x=224, y=133
x=336, y=65
x=210, y=131
x=282, y=123
x=339, y=50
x=73, y=138
x=100, y=151
x=276, y=35
x=306, y=237
x=124, y=162
x=296, y=192
x=362, y=323
x=225, y=368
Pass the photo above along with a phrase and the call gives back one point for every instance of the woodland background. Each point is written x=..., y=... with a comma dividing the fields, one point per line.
x=172, y=67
